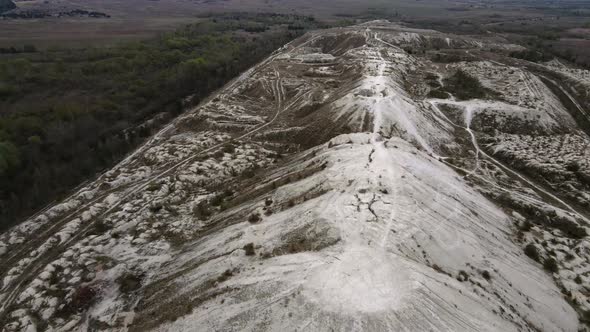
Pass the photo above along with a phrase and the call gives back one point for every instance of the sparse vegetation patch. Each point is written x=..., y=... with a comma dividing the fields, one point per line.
x=464, y=86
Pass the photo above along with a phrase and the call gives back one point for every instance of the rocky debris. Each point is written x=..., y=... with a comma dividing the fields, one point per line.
x=561, y=161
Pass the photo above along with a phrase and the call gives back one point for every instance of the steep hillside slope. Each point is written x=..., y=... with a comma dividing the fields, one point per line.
x=352, y=181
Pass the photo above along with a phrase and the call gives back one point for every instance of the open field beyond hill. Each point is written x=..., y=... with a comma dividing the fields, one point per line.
x=137, y=19
x=55, y=33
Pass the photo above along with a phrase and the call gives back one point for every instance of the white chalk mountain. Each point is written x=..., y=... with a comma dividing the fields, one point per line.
x=370, y=178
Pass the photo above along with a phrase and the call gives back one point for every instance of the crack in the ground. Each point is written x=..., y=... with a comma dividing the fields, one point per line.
x=371, y=155
x=370, y=207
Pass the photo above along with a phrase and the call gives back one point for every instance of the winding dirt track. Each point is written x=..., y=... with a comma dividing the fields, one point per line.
x=514, y=173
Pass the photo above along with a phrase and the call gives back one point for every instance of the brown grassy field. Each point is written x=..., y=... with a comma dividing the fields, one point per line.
x=137, y=19
x=82, y=32
x=140, y=19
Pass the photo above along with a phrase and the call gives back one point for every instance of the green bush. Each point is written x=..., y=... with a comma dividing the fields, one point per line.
x=249, y=248
x=229, y=148
x=254, y=218
x=153, y=186
x=570, y=228
x=526, y=226
x=82, y=299
x=128, y=282
x=217, y=200
x=9, y=157
x=202, y=211
x=533, y=55
x=532, y=251
x=7, y=91
x=464, y=86
x=440, y=94
x=550, y=264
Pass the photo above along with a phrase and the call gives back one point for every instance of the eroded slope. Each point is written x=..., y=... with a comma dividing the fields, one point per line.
x=329, y=188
